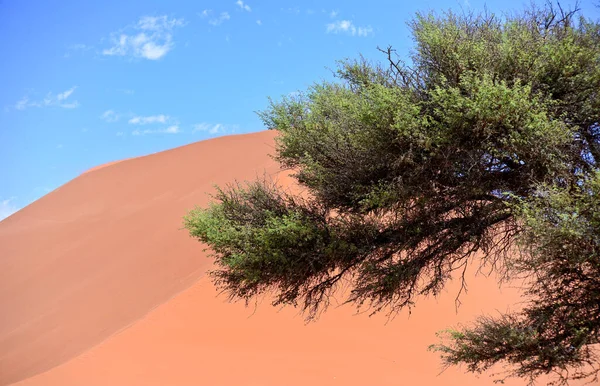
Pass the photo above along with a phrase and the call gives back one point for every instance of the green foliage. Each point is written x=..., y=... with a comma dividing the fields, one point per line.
x=488, y=143
x=556, y=331
x=264, y=239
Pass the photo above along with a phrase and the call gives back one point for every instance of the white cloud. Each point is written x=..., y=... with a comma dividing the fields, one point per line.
x=159, y=23
x=60, y=99
x=153, y=51
x=7, y=208
x=259, y=22
x=174, y=129
x=152, y=38
x=224, y=16
x=110, y=116
x=214, y=128
x=64, y=95
x=140, y=120
x=205, y=12
x=364, y=31
x=208, y=128
x=333, y=14
x=22, y=104
x=243, y=6
x=49, y=100
x=347, y=27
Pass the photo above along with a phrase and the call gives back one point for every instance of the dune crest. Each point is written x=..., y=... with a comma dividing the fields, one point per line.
x=104, y=165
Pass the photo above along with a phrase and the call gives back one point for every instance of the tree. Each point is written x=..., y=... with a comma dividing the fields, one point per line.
x=486, y=147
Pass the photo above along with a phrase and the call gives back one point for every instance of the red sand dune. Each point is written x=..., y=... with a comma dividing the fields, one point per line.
x=100, y=286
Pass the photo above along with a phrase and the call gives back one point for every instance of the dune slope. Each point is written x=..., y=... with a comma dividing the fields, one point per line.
x=100, y=286
x=104, y=249
x=198, y=338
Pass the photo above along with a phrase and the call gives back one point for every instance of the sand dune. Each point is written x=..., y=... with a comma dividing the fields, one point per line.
x=99, y=286
x=104, y=249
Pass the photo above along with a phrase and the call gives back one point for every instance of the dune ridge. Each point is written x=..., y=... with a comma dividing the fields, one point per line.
x=104, y=165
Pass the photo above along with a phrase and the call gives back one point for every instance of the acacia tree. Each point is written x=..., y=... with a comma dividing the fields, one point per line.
x=485, y=147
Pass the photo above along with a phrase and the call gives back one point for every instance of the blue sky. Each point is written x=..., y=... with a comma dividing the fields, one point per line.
x=84, y=83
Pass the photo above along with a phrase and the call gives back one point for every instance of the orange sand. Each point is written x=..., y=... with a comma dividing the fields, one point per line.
x=100, y=286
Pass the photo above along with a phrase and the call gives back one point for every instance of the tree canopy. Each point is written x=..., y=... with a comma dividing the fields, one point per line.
x=484, y=146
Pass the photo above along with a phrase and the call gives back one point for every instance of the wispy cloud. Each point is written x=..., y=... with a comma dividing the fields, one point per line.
x=214, y=128
x=51, y=99
x=215, y=21
x=347, y=27
x=151, y=38
x=211, y=128
x=140, y=120
x=110, y=116
x=259, y=22
x=64, y=95
x=7, y=208
x=224, y=16
x=243, y=6
x=174, y=129
x=22, y=103
x=333, y=14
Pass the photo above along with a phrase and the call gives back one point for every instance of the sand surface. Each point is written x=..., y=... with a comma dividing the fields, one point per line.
x=104, y=249
x=100, y=286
